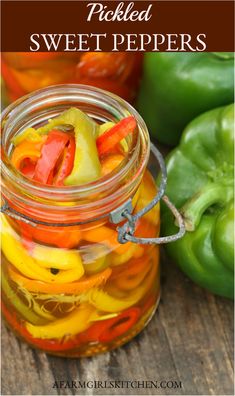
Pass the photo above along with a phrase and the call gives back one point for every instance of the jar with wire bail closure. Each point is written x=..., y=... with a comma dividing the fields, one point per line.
x=80, y=267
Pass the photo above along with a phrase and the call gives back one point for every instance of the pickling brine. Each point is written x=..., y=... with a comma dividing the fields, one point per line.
x=68, y=286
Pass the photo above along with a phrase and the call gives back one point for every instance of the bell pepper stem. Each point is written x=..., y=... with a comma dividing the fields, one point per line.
x=193, y=210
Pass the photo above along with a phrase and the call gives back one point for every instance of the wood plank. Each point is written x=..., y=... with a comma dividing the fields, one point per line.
x=190, y=339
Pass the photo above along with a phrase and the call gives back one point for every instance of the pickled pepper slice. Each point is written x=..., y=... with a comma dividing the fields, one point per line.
x=81, y=286
x=86, y=167
x=51, y=152
x=72, y=324
x=66, y=165
x=49, y=345
x=26, y=154
x=108, y=330
x=114, y=135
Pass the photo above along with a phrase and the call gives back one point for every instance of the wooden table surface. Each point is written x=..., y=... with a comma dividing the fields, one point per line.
x=189, y=340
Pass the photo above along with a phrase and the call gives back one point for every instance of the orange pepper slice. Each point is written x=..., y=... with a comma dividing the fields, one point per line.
x=132, y=274
x=55, y=288
x=26, y=149
x=111, y=162
x=106, y=236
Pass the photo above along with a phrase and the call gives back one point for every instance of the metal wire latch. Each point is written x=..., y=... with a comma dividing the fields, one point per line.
x=127, y=230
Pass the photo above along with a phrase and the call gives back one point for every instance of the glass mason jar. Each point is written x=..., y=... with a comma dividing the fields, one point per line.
x=24, y=72
x=68, y=286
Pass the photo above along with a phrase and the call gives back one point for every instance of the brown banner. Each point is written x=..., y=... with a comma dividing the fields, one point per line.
x=117, y=26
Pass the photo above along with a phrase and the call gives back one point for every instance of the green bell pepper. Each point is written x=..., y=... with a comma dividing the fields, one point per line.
x=177, y=87
x=200, y=184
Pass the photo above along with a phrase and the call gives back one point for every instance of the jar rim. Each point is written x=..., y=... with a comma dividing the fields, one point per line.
x=108, y=101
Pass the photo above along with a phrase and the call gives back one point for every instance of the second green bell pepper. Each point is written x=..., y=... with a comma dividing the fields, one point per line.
x=177, y=87
x=200, y=184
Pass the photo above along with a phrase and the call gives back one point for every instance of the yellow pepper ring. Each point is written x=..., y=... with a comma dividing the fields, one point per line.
x=72, y=324
x=131, y=280
x=67, y=288
x=96, y=266
x=29, y=134
x=134, y=251
x=105, y=302
x=51, y=257
x=18, y=256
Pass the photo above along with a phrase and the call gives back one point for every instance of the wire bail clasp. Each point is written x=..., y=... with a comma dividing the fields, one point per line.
x=127, y=230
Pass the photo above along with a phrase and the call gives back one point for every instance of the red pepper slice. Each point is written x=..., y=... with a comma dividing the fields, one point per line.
x=50, y=154
x=66, y=165
x=65, y=238
x=28, y=167
x=114, y=135
x=121, y=325
x=108, y=330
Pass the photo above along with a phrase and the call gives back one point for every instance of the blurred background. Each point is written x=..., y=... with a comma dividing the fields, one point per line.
x=24, y=72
